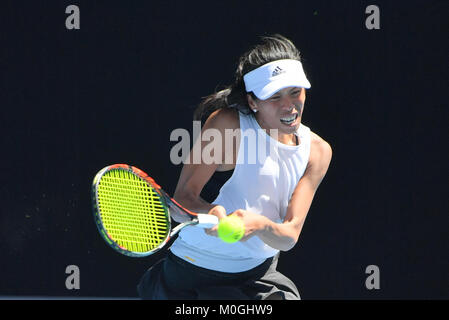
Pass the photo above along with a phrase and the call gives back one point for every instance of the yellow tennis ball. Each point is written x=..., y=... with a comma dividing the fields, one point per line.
x=231, y=229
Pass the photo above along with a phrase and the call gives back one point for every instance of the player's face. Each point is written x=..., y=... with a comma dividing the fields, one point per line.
x=282, y=111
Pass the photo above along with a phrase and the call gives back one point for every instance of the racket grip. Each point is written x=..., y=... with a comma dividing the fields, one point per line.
x=206, y=220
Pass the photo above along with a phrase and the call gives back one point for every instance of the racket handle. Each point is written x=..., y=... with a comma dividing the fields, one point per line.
x=206, y=220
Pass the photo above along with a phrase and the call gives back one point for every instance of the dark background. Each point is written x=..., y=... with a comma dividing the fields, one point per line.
x=74, y=101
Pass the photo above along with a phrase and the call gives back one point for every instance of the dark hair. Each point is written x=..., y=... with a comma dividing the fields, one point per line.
x=271, y=48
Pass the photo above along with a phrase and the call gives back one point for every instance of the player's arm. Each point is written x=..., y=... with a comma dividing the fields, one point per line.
x=194, y=176
x=283, y=236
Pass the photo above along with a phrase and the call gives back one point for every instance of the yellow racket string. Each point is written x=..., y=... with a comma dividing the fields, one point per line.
x=131, y=211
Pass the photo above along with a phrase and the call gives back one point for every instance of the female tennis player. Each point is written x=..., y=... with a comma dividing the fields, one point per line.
x=272, y=195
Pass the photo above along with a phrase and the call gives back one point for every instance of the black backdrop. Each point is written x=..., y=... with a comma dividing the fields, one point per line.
x=73, y=101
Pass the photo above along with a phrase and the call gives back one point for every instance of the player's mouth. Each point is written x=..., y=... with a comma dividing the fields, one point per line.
x=290, y=119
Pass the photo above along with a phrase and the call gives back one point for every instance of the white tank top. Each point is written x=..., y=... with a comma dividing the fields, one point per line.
x=263, y=185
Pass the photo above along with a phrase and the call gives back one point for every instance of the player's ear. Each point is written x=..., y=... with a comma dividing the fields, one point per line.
x=251, y=102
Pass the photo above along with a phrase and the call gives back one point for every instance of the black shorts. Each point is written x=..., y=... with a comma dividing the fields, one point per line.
x=175, y=279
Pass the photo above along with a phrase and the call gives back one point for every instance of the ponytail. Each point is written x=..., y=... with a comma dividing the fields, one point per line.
x=211, y=103
x=231, y=97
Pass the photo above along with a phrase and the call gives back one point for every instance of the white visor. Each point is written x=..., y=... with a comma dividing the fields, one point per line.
x=274, y=76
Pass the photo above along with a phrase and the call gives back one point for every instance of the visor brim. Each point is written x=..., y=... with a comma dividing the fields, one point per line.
x=271, y=88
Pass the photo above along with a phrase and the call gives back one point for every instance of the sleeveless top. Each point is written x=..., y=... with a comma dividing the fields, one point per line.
x=265, y=176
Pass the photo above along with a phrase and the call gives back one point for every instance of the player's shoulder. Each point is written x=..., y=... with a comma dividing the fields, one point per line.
x=319, y=142
x=320, y=150
x=225, y=118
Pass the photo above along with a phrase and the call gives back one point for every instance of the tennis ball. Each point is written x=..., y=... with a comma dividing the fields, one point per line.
x=231, y=229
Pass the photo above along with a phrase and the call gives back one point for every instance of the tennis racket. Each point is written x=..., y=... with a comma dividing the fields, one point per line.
x=132, y=212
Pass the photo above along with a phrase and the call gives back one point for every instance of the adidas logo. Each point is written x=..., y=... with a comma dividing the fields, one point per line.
x=277, y=71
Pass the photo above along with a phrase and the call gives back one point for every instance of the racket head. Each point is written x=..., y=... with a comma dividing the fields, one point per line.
x=130, y=210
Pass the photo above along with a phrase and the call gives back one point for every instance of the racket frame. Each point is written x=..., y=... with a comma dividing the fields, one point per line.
x=205, y=220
